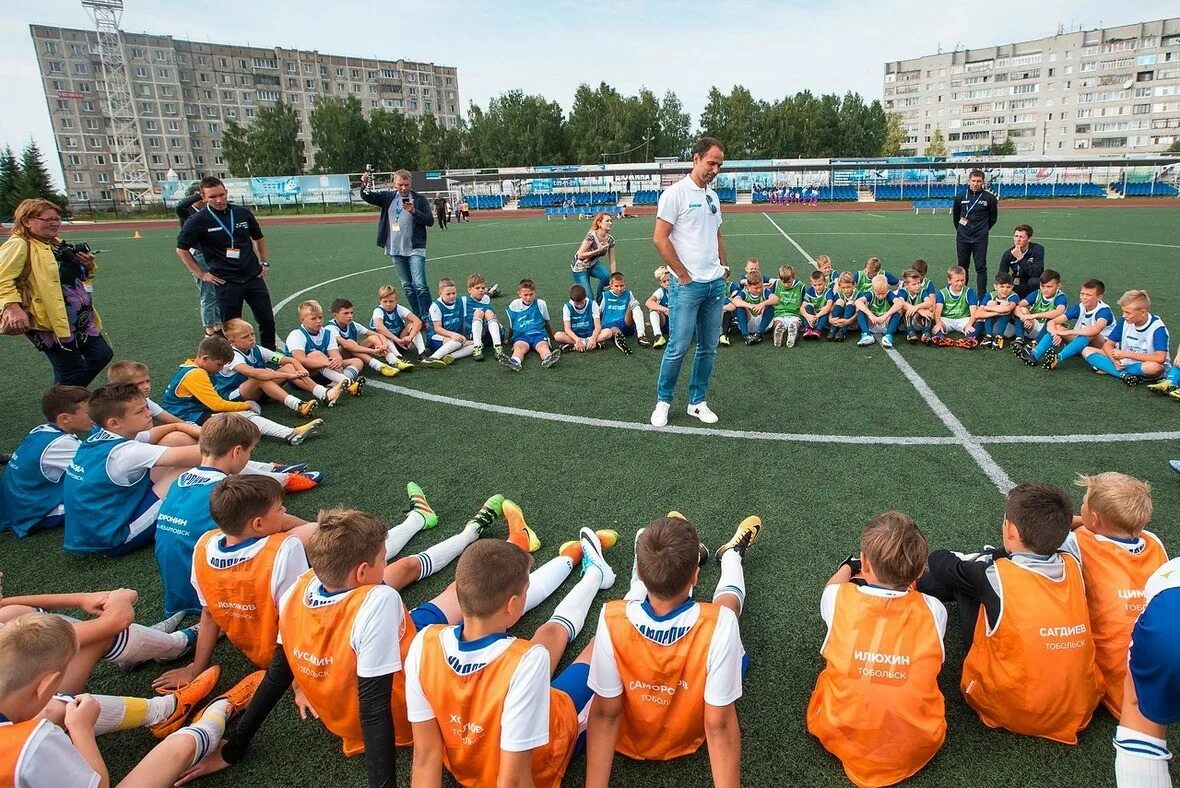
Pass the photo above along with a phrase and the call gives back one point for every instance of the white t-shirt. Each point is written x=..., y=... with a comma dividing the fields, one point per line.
x=402, y=312
x=129, y=461
x=57, y=455
x=49, y=759
x=723, y=667
x=297, y=341
x=290, y=563
x=376, y=629
x=336, y=331
x=695, y=216
x=153, y=408
x=524, y=723
x=567, y=314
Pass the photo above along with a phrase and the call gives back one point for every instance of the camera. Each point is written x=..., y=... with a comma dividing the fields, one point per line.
x=69, y=267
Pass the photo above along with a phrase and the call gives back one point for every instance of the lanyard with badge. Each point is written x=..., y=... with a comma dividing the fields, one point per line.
x=231, y=252
x=970, y=205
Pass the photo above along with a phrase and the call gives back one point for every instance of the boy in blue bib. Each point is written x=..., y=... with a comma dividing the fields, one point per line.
x=529, y=317
x=582, y=322
x=621, y=314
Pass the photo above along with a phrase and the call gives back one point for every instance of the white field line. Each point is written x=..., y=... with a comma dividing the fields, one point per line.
x=982, y=458
x=944, y=235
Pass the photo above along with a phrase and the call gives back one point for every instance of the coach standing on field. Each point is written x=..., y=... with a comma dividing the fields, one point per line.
x=974, y=212
x=688, y=238
x=230, y=239
x=401, y=232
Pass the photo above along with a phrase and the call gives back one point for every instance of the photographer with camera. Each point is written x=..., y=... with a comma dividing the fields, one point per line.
x=44, y=294
x=401, y=232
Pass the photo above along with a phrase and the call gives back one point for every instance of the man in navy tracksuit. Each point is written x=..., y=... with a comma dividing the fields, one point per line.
x=401, y=232
x=974, y=213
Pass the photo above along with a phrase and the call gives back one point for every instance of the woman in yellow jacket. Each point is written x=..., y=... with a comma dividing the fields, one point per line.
x=48, y=302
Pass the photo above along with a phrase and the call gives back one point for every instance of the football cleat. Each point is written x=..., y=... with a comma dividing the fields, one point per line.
x=745, y=535
x=519, y=532
x=302, y=482
x=307, y=407
x=356, y=387
x=660, y=341
x=187, y=698
x=418, y=504
x=592, y=558
x=303, y=432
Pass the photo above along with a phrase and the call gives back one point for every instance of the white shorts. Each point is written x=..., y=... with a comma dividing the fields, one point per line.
x=787, y=320
x=879, y=328
x=960, y=324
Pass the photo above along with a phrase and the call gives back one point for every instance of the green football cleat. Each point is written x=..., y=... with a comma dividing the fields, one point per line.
x=492, y=508
x=418, y=504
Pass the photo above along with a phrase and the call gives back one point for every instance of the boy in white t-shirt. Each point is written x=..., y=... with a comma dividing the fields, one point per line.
x=315, y=348
x=397, y=324
x=582, y=322
x=359, y=341
x=657, y=307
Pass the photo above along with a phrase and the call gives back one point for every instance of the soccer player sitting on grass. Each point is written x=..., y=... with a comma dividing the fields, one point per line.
x=864, y=279
x=396, y=323
x=878, y=312
x=1093, y=321
x=995, y=310
x=1037, y=309
x=842, y=298
x=1170, y=385
x=954, y=311
x=876, y=705
x=823, y=264
x=35, y=653
x=582, y=323
x=666, y=669
x=1118, y=556
x=315, y=348
x=31, y=485
x=816, y=306
x=1137, y=348
x=1030, y=661
x=789, y=294
x=249, y=374
x=657, y=307
x=357, y=341
x=448, y=334
x=621, y=314
x=344, y=633
x=526, y=729
x=916, y=295
x=754, y=302
x=529, y=318
x=137, y=374
x=191, y=394
x=479, y=320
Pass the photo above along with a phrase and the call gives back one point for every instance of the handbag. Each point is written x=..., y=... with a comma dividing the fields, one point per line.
x=25, y=292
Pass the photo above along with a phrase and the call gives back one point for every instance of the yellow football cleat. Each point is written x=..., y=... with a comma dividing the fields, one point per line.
x=519, y=532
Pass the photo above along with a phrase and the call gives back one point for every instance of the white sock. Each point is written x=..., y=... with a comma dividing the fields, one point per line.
x=1140, y=760
x=376, y=364
x=436, y=557
x=265, y=469
x=319, y=392
x=391, y=352
x=494, y=330
x=545, y=580
x=571, y=611
x=448, y=347
x=638, y=591
x=399, y=534
x=207, y=730
x=464, y=351
x=332, y=375
x=655, y=324
x=137, y=644
x=292, y=402
x=637, y=318
x=351, y=374
x=477, y=330
x=116, y=713
x=268, y=427
x=420, y=343
x=733, y=578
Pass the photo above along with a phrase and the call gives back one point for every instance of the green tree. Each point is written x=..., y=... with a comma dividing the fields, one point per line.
x=673, y=129
x=439, y=147
x=9, y=182
x=33, y=179
x=517, y=130
x=393, y=141
x=1005, y=148
x=1174, y=147
x=275, y=148
x=937, y=144
x=340, y=134
x=735, y=120
x=235, y=148
x=895, y=136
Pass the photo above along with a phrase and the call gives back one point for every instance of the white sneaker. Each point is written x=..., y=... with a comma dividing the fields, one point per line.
x=792, y=334
x=702, y=412
x=592, y=557
x=866, y=340
x=886, y=342
x=659, y=416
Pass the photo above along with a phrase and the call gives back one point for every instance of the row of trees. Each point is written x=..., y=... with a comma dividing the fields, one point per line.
x=25, y=177
x=516, y=129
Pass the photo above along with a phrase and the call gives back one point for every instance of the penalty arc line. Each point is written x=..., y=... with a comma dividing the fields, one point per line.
x=969, y=442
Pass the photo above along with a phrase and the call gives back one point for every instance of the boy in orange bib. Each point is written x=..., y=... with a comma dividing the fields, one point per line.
x=1118, y=557
x=666, y=670
x=35, y=652
x=877, y=706
x=1030, y=666
x=480, y=701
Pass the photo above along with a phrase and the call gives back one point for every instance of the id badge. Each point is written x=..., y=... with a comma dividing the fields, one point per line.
x=232, y=253
x=397, y=228
x=963, y=221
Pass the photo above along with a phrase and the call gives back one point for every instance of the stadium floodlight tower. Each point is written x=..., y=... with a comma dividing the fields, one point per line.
x=130, y=159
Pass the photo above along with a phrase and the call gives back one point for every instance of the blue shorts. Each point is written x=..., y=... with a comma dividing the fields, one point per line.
x=426, y=614
x=532, y=340
x=1155, y=642
x=621, y=325
x=141, y=528
x=575, y=682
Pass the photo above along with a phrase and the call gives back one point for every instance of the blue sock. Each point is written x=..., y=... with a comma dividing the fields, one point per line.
x=1073, y=348
x=863, y=322
x=1043, y=345
x=1174, y=375
x=1000, y=325
x=1100, y=361
x=989, y=326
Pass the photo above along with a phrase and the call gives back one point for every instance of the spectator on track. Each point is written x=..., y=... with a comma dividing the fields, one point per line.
x=401, y=232
x=210, y=309
x=974, y=213
x=1025, y=261
x=47, y=300
x=440, y=212
x=231, y=242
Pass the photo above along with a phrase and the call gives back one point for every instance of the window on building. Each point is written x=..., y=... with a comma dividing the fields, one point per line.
x=54, y=67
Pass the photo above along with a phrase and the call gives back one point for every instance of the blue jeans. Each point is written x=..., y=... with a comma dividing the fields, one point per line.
x=693, y=306
x=210, y=309
x=411, y=270
x=600, y=272
x=79, y=362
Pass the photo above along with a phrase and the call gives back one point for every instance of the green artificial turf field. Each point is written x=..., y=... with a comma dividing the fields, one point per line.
x=449, y=431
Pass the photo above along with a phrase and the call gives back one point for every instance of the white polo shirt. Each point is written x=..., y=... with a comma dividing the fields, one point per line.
x=695, y=216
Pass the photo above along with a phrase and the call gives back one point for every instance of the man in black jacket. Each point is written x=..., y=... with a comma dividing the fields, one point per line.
x=401, y=232
x=231, y=242
x=1025, y=261
x=974, y=212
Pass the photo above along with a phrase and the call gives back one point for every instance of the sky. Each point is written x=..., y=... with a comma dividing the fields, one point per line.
x=773, y=48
